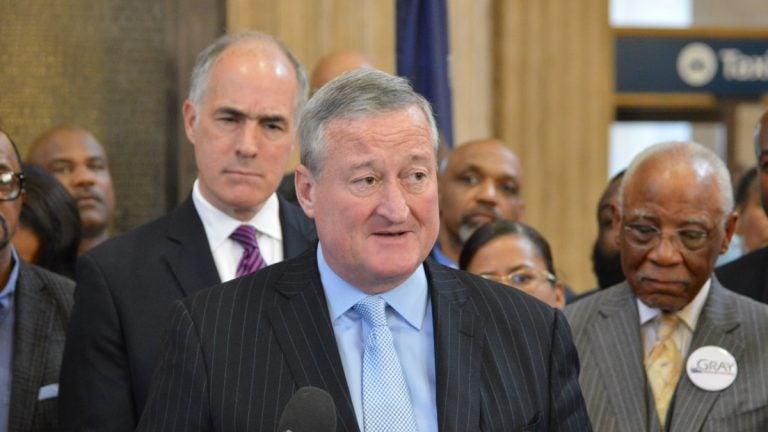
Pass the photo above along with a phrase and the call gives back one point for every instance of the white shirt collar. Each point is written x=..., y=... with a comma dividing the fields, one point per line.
x=219, y=225
x=689, y=314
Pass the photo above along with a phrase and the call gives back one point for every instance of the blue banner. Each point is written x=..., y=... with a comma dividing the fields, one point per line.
x=422, y=56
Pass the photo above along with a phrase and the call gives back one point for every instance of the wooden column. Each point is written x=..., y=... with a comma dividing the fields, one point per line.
x=553, y=105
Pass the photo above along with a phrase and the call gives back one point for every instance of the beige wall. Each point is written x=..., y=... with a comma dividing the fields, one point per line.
x=536, y=74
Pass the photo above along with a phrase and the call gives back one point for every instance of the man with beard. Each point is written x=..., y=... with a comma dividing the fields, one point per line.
x=606, y=263
x=34, y=309
x=479, y=183
x=671, y=349
x=77, y=159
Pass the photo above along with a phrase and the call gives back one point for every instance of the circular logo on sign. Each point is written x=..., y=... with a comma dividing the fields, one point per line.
x=711, y=368
x=696, y=64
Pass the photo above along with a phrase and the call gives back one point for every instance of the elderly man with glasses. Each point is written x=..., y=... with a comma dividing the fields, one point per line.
x=670, y=348
x=34, y=309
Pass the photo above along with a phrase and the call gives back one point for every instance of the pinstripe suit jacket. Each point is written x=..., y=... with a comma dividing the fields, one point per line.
x=237, y=352
x=42, y=304
x=606, y=331
x=125, y=289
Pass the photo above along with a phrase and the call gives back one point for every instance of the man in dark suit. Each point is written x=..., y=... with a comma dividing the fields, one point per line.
x=468, y=354
x=748, y=275
x=647, y=344
x=246, y=92
x=34, y=309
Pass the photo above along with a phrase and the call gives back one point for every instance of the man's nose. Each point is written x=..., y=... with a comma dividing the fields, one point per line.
x=393, y=205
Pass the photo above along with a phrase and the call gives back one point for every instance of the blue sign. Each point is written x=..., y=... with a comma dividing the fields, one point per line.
x=727, y=67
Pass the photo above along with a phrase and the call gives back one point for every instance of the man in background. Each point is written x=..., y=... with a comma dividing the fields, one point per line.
x=606, y=263
x=77, y=159
x=748, y=275
x=34, y=310
x=659, y=351
x=479, y=183
x=246, y=92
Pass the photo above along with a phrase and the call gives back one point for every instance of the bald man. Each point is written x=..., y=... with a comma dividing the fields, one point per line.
x=479, y=183
x=337, y=63
x=77, y=159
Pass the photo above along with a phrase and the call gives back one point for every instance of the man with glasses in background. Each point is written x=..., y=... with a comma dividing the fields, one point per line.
x=34, y=309
x=670, y=348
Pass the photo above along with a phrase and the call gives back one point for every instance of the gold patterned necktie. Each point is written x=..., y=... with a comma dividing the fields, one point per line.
x=663, y=365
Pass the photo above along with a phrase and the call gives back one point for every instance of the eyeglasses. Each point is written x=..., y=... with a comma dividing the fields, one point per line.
x=526, y=279
x=11, y=185
x=648, y=236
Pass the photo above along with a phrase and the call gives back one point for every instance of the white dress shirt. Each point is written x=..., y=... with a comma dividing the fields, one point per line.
x=219, y=225
x=689, y=317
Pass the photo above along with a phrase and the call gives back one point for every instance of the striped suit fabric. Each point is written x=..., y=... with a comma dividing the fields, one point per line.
x=236, y=353
x=606, y=331
x=42, y=302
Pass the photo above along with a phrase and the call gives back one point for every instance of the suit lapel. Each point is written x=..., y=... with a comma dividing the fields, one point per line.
x=33, y=313
x=190, y=258
x=458, y=351
x=616, y=341
x=313, y=359
x=716, y=326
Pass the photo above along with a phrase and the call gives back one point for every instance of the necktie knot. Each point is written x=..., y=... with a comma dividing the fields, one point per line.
x=372, y=309
x=667, y=325
x=251, y=259
x=246, y=236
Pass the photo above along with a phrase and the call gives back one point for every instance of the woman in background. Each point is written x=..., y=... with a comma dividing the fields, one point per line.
x=516, y=255
x=48, y=233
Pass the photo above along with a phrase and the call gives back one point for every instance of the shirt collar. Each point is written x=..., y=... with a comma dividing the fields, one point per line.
x=219, y=225
x=689, y=314
x=440, y=257
x=6, y=295
x=408, y=299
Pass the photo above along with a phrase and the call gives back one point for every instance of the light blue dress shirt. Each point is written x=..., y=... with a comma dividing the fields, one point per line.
x=7, y=319
x=409, y=318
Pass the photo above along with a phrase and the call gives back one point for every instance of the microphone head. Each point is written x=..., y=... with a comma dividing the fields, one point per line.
x=309, y=409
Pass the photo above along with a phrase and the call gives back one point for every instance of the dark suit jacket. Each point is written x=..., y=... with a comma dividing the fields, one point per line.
x=235, y=354
x=124, y=292
x=747, y=275
x=606, y=330
x=42, y=304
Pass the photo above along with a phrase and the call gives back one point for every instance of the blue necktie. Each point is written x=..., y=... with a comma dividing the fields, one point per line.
x=386, y=400
x=251, y=259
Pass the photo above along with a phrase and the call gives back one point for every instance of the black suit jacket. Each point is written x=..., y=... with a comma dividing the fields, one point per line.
x=124, y=292
x=747, y=275
x=42, y=304
x=236, y=353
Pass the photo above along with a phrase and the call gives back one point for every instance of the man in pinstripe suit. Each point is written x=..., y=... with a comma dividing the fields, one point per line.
x=475, y=355
x=676, y=217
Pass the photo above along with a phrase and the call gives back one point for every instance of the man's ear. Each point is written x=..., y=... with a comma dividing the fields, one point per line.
x=730, y=228
x=305, y=190
x=189, y=113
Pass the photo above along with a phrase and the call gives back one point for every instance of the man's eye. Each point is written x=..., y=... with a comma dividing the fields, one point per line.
x=469, y=179
x=510, y=189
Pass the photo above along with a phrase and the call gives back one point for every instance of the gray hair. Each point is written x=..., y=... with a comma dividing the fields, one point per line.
x=691, y=151
x=356, y=94
x=205, y=60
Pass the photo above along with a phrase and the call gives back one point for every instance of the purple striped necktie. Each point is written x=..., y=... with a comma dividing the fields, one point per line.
x=252, y=259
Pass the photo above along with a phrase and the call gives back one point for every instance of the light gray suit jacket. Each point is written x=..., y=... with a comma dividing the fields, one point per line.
x=606, y=331
x=42, y=303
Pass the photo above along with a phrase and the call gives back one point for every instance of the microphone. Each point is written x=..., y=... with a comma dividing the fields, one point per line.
x=310, y=409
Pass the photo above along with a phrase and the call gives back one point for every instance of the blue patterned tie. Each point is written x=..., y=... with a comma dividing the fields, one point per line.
x=386, y=401
x=251, y=259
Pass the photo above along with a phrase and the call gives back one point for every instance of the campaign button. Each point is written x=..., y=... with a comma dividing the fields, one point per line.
x=711, y=368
